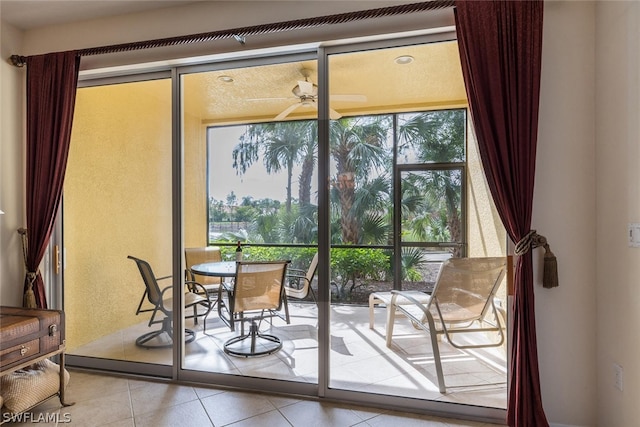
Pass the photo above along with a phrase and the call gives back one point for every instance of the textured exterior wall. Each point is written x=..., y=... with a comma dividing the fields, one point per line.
x=485, y=232
x=117, y=203
x=196, y=227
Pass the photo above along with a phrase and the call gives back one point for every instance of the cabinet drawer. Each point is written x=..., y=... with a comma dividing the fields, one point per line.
x=19, y=352
x=13, y=326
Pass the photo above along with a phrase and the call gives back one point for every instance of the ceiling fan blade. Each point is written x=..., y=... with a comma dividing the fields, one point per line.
x=306, y=88
x=287, y=111
x=352, y=98
x=271, y=99
x=333, y=114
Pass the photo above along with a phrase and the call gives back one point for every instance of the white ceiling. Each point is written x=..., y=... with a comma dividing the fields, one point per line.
x=30, y=14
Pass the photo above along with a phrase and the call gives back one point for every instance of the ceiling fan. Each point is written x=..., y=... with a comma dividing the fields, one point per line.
x=307, y=95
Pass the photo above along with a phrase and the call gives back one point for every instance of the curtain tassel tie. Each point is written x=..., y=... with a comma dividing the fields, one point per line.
x=550, y=276
x=534, y=240
x=29, y=300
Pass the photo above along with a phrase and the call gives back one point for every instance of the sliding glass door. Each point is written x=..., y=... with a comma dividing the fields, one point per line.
x=250, y=142
x=356, y=163
x=399, y=209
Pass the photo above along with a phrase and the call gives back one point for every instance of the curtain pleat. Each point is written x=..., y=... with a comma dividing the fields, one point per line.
x=51, y=92
x=500, y=46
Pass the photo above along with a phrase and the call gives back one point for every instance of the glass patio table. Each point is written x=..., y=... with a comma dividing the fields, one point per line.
x=224, y=270
x=215, y=269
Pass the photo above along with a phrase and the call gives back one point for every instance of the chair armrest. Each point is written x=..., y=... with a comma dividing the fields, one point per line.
x=197, y=288
x=296, y=272
x=168, y=288
x=295, y=275
x=295, y=281
x=409, y=296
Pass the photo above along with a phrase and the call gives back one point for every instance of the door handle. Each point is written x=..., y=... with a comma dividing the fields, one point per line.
x=56, y=259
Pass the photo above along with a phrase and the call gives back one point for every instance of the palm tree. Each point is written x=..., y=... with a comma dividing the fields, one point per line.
x=357, y=148
x=428, y=197
x=300, y=225
x=371, y=204
x=282, y=145
x=437, y=136
x=309, y=158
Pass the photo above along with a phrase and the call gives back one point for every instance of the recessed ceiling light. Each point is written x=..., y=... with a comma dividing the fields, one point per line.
x=226, y=79
x=404, y=59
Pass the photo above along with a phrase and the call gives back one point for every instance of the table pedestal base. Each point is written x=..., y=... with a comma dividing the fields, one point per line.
x=253, y=343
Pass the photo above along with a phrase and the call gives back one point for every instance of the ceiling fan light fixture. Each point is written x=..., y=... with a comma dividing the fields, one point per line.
x=403, y=59
x=299, y=92
x=225, y=79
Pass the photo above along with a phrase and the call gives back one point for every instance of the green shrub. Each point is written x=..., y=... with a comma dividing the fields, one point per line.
x=351, y=268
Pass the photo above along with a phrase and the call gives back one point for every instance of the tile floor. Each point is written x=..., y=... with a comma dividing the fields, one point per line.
x=359, y=359
x=103, y=400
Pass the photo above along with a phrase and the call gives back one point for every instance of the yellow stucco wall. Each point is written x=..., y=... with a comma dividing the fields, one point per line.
x=485, y=233
x=195, y=181
x=117, y=202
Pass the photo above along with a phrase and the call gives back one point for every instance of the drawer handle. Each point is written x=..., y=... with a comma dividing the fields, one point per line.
x=24, y=350
x=52, y=330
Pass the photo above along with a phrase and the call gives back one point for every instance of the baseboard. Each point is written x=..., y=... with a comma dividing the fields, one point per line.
x=565, y=425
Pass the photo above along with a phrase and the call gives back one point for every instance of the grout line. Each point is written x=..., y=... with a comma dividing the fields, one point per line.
x=204, y=408
x=133, y=418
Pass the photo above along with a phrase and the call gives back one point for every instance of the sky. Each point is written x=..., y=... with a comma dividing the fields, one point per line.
x=256, y=183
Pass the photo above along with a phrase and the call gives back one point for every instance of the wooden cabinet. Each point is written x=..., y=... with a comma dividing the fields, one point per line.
x=28, y=336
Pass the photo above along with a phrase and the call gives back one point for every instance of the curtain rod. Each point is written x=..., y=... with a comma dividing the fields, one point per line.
x=240, y=33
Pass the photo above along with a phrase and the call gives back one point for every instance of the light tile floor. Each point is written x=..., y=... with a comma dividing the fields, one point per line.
x=359, y=359
x=103, y=400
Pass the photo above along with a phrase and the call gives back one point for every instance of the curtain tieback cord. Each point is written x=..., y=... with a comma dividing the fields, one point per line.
x=534, y=240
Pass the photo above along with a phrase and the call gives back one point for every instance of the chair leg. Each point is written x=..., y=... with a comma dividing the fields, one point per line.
x=253, y=335
x=286, y=309
x=438, y=361
x=313, y=294
x=373, y=300
x=253, y=331
x=167, y=331
x=391, y=319
x=433, y=334
x=225, y=309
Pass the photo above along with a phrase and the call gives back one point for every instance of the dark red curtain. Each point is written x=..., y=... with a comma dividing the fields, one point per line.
x=500, y=46
x=51, y=93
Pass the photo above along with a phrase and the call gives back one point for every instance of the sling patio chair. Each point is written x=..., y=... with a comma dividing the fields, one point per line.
x=200, y=255
x=462, y=302
x=256, y=294
x=162, y=301
x=298, y=283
